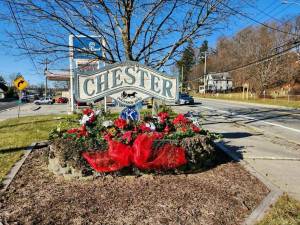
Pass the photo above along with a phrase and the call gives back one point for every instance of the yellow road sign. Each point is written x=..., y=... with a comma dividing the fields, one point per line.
x=20, y=83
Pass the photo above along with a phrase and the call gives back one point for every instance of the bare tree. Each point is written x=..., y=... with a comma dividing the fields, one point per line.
x=252, y=44
x=149, y=31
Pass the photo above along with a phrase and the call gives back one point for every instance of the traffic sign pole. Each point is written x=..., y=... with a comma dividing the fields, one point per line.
x=19, y=103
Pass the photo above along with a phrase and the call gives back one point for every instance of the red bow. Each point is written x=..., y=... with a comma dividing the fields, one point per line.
x=140, y=154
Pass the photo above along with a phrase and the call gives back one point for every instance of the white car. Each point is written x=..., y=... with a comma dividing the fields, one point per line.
x=43, y=101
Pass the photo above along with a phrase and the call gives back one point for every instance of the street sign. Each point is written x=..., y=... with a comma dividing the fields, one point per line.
x=20, y=83
x=86, y=47
x=129, y=83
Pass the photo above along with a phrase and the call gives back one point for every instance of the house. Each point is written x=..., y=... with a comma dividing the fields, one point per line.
x=2, y=96
x=216, y=82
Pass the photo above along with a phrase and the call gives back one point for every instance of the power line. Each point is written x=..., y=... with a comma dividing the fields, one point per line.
x=261, y=11
x=21, y=34
x=256, y=21
x=261, y=60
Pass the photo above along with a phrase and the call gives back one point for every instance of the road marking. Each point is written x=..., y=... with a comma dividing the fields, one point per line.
x=252, y=118
x=271, y=158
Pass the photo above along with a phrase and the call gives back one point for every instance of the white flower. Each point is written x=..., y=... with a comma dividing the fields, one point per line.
x=107, y=123
x=98, y=112
x=84, y=119
x=151, y=126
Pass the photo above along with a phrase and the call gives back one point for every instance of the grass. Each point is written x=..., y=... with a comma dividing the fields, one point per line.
x=17, y=134
x=286, y=211
x=238, y=97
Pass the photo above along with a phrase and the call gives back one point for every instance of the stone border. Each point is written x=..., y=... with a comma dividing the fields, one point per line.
x=275, y=192
x=15, y=169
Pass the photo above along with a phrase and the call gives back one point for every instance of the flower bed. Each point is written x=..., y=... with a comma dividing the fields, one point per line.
x=151, y=144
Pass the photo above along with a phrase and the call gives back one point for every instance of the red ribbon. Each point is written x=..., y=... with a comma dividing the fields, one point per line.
x=140, y=154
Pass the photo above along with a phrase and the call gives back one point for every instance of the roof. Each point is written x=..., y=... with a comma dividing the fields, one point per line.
x=220, y=76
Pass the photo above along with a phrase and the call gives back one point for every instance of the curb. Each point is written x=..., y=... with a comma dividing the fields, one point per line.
x=247, y=103
x=259, y=212
x=15, y=169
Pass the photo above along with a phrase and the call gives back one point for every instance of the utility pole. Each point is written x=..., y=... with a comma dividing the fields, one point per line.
x=181, y=78
x=204, y=70
x=45, y=74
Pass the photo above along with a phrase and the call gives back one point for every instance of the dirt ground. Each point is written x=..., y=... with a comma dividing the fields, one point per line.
x=225, y=194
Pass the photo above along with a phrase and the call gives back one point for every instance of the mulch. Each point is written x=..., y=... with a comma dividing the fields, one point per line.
x=225, y=194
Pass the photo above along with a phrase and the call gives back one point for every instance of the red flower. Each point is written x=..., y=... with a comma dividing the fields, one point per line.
x=87, y=111
x=82, y=132
x=144, y=128
x=92, y=118
x=72, y=131
x=180, y=119
x=183, y=129
x=167, y=129
x=158, y=135
x=120, y=123
x=107, y=137
x=195, y=128
x=127, y=136
x=163, y=116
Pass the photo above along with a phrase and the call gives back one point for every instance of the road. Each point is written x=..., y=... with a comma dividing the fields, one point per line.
x=280, y=122
x=268, y=138
x=7, y=105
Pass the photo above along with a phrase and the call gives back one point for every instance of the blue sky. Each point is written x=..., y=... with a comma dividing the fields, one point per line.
x=262, y=10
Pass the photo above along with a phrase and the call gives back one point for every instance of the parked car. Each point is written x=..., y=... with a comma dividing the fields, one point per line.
x=185, y=99
x=80, y=103
x=43, y=101
x=62, y=100
x=25, y=99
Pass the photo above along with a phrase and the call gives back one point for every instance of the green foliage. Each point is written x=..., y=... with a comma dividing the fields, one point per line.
x=11, y=93
x=186, y=62
x=167, y=109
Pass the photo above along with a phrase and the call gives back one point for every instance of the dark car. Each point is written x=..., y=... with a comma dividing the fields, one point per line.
x=185, y=99
x=25, y=99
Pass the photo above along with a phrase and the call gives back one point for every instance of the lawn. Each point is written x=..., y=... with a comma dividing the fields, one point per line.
x=285, y=211
x=238, y=97
x=17, y=134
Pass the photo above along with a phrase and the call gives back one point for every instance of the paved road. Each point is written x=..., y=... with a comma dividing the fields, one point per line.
x=265, y=137
x=31, y=109
x=7, y=105
x=281, y=122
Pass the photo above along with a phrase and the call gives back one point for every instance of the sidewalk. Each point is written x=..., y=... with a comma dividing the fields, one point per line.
x=274, y=158
x=246, y=103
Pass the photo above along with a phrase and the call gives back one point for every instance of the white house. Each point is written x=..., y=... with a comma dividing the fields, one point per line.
x=2, y=96
x=216, y=82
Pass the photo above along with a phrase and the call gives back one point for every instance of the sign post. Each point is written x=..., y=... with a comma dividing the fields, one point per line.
x=20, y=83
x=82, y=48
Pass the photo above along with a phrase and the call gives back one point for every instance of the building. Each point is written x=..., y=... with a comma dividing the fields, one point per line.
x=2, y=96
x=216, y=82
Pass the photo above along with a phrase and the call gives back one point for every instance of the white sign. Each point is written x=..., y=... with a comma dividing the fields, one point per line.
x=128, y=83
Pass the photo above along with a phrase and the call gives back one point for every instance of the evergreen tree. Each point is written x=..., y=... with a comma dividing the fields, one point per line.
x=203, y=48
x=186, y=63
x=3, y=85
